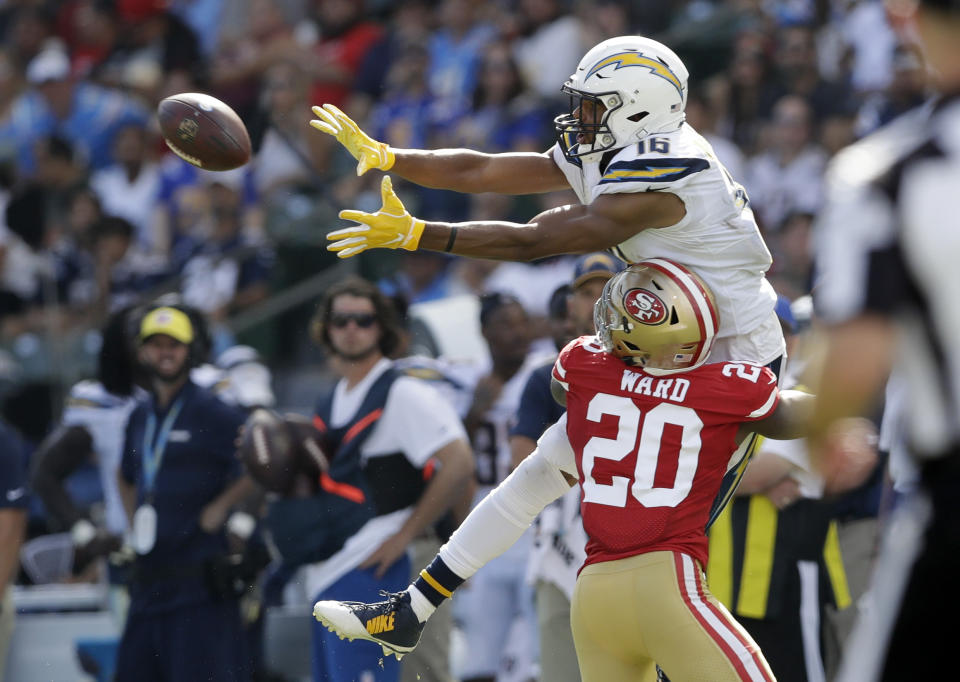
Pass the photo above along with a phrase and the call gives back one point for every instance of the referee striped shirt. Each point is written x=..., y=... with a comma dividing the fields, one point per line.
x=888, y=243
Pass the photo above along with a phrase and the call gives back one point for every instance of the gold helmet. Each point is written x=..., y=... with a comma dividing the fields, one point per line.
x=658, y=315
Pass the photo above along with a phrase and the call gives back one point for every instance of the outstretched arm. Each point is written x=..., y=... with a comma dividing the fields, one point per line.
x=606, y=222
x=790, y=420
x=460, y=170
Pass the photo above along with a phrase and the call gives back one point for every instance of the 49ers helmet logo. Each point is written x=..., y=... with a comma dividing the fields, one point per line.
x=644, y=306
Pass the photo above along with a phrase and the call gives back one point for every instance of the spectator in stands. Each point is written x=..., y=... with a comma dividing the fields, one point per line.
x=410, y=24
x=130, y=187
x=155, y=45
x=263, y=35
x=13, y=523
x=502, y=116
x=288, y=156
x=122, y=271
x=86, y=115
x=788, y=176
x=228, y=266
x=747, y=73
x=546, y=30
x=907, y=90
x=456, y=49
x=797, y=73
x=346, y=36
x=90, y=30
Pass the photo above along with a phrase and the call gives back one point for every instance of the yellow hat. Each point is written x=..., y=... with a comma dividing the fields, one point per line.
x=170, y=321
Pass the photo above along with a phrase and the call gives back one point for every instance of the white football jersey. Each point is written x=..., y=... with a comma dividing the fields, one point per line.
x=104, y=416
x=718, y=237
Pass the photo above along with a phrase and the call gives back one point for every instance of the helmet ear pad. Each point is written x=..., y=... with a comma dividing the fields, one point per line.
x=658, y=315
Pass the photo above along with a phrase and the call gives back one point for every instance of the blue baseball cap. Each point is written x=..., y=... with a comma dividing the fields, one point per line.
x=599, y=264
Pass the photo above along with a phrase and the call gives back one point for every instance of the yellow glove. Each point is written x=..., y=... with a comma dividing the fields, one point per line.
x=389, y=228
x=366, y=150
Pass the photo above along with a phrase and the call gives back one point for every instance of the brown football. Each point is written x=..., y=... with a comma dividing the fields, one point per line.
x=268, y=451
x=204, y=131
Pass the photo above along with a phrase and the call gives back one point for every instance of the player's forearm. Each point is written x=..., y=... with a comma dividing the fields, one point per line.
x=790, y=420
x=467, y=171
x=856, y=366
x=570, y=229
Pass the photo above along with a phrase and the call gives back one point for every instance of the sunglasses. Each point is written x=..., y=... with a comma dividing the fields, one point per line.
x=362, y=320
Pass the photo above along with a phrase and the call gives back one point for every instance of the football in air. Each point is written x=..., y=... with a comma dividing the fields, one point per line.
x=204, y=131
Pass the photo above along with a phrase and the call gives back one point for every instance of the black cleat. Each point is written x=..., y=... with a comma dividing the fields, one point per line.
x=392, y=623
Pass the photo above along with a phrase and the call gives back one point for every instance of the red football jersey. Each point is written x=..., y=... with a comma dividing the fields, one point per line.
x=651, y=451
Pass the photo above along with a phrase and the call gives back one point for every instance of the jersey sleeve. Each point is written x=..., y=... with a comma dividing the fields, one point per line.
x=643, y=167
x=565, y=359
x=743, y=391
x=763, y=401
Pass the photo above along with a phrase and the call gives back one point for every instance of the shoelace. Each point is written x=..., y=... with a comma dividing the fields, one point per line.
x=393, y=598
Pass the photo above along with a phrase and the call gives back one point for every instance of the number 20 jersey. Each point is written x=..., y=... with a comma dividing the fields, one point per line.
x=651, y=450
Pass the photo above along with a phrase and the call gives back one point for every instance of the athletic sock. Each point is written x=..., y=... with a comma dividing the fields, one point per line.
x=435, y=583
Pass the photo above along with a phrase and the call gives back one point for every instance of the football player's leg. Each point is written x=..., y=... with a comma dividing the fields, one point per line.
x=603, y=618
x=689, y=633
x=493, y=526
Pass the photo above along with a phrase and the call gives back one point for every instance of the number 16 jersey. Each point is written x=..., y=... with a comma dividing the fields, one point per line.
x=651, y=451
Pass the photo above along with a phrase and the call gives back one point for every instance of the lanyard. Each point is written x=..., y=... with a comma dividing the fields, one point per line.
x=153, y=451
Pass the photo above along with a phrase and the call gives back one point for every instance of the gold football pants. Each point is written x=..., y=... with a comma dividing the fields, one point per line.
x=631, y=614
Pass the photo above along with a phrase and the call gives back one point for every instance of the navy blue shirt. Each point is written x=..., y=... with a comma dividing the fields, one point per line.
x=13, y=470
x=538, y=409
x=199, y=462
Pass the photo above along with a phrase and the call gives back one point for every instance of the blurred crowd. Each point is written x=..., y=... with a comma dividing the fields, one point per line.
x=97, y=215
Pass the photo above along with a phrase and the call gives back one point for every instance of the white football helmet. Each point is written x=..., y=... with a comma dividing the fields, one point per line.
x=642, y=87
x=658, y=315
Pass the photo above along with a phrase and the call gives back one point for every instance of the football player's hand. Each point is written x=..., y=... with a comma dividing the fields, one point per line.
x=368, y=152
x=389, y=228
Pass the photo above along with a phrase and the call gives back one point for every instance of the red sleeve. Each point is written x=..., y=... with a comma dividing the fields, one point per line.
x=743, y=391
x=763, y=401
x=564, y=362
